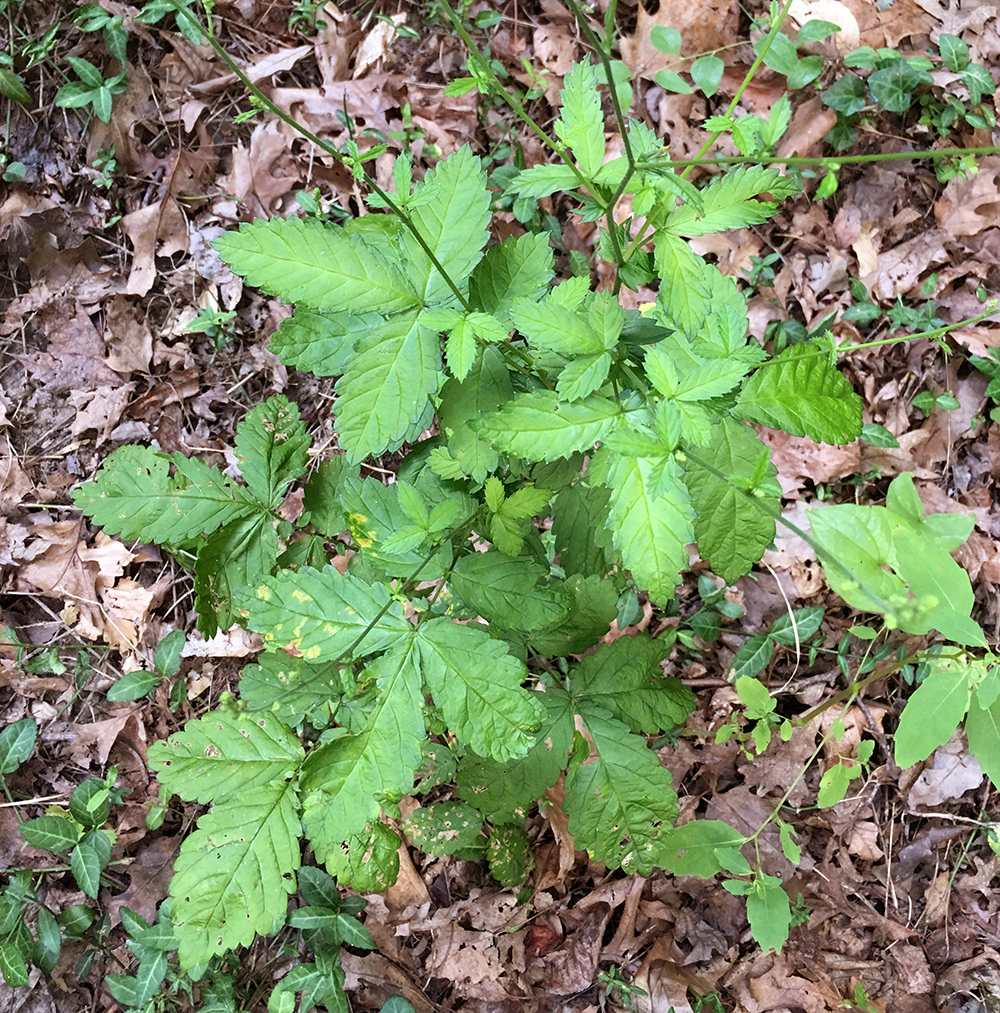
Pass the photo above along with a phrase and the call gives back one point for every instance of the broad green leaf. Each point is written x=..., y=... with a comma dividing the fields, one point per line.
x=665, y=39
x=982, y=726
x=801, y=392
x=306, y=261
x=594, y=607
x=846, y=95
x=272, y=447
x=343, y=779
x=504, y=792
x=758, y=702
x=733, y=524
x=729, y=202
x=620, y=805
x=226, y=756
x=581, y=121
x=752, y=657
x=17, y=741
x=453, y=224
x=769, y=911
x=322, y=495
x=12, y=965
x=705, y=379
x=651, y=531
x=85, y=864
x=540, y=427
x=477, y=685
x=690, y=850
x=892, y=86
x=320, y=342
x=833, y=785
x=367, y=862
x=290, y=688
x=12, y=87
x=578, y=512
x=228, y=561
x=932, y=713
x=508, y=592
x=683, y=298
x=542, y=180
x=625, y=678
x=583, y=376
x=548, y=325
x=516, y=268
x=234, y=873
x=445, y=828
x=135, y=496
x=386, y=385
x=49, y=944
x=51, y=833
x=321, y=613
x=706, y=72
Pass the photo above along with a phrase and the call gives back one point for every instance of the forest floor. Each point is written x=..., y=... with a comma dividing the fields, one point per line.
x=107, y=262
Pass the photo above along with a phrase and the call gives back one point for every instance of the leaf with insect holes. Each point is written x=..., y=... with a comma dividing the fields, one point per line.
x=272, y=445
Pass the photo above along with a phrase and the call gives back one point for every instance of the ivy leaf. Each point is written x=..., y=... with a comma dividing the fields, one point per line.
x=343, y=779
x=135, y=497
x=729, y=203
x=272, y=446
x=320, y=342
x=307, y=261
x=519, y=267
x=477, y=685
x=621, y=803
x=625, y=678
x=386, y=385
x=581, y=121
x=933, y=712
x=539, y=426
x=733, y=528
x=801, y=392
x=321, y=613
x=891, y=87
x=651, y=530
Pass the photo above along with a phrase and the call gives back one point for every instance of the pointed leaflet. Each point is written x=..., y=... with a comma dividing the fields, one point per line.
x=341, y=781
x=322, y=613
x=651, y=531
x=933, y=712
x=579, y=511
x=234, y=873
x=385, y=387
x=581, y=122
x=135, y=496
x=272, y=446
x=683, y=298
x=477, y=685
x=802, y=392
x=620, y=805
x=306, y=261
x=540, y=427
x=625, y=678
x=541, y=180
x=510, y=270
x=453, y=224
x=318, y=342
x=728, y=202
x=732, y=525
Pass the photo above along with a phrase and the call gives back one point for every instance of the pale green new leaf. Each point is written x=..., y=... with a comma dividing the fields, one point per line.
x=651, y=531
x=453, y=224
x=318, y=342
x=304, y=260
x=234, y=873
x=548, y=325
x=477, y=685
x=226, y=755
x=692, y=847
x=625, y=678
x=683, y=299
x=342, y=780
x=769, y=911
x=733, y=526
x=933, y=712
x=707, y=379
x=322, y=613
x=541, y=180
x=516, y=268
x=581, y=122
x=272, y=445
x=386, y=386
x=621, y=805
x=539, y=426
x=135, y=496
x=583, y=376
x=729, y=203
x=803, y=393
x=982, y=726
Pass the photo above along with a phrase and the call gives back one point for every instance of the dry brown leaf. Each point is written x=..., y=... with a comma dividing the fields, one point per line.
x=145, y=228
x=102, y=735
x=99, y=409
x=376, y=43
x=127, y=337
x=970, y=206
x=14, y=485
x=461, y=956
x=833, y=11
x=950, y=773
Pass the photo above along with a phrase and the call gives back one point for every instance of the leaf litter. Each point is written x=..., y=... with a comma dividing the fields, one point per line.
x=899, y=898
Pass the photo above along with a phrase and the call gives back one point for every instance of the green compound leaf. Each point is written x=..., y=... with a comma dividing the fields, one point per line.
x=343, y=780
x=621, y=804
x=508, y=852
x=801, y=392
x=446, y=828
x=506, y=591
x=477, y=685
x=321, y=613
x=581, y=122
x=227, y=755
x=272, y=447
x=320, y=342
x=732, y=525
x=933, y=712
x=651, y=529
x=235, y=872
x=729, y=203
x=135, y=496
x=685, y=286
x=17, y=741
x=385, y=387
x=307, y=261
x=625, y=678
x=594, y=607
x=691, y=848
x=542, y=180
x=367, y=862
x=769, y=911
x=517, y=268
x=453, y=224
x=539, y=426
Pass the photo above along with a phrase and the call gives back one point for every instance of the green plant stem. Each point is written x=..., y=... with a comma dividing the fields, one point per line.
x=825, y=161
x=330, y=150
x=747, y=78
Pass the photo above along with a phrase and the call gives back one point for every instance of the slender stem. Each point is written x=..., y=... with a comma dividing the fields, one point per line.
x=888, y=156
